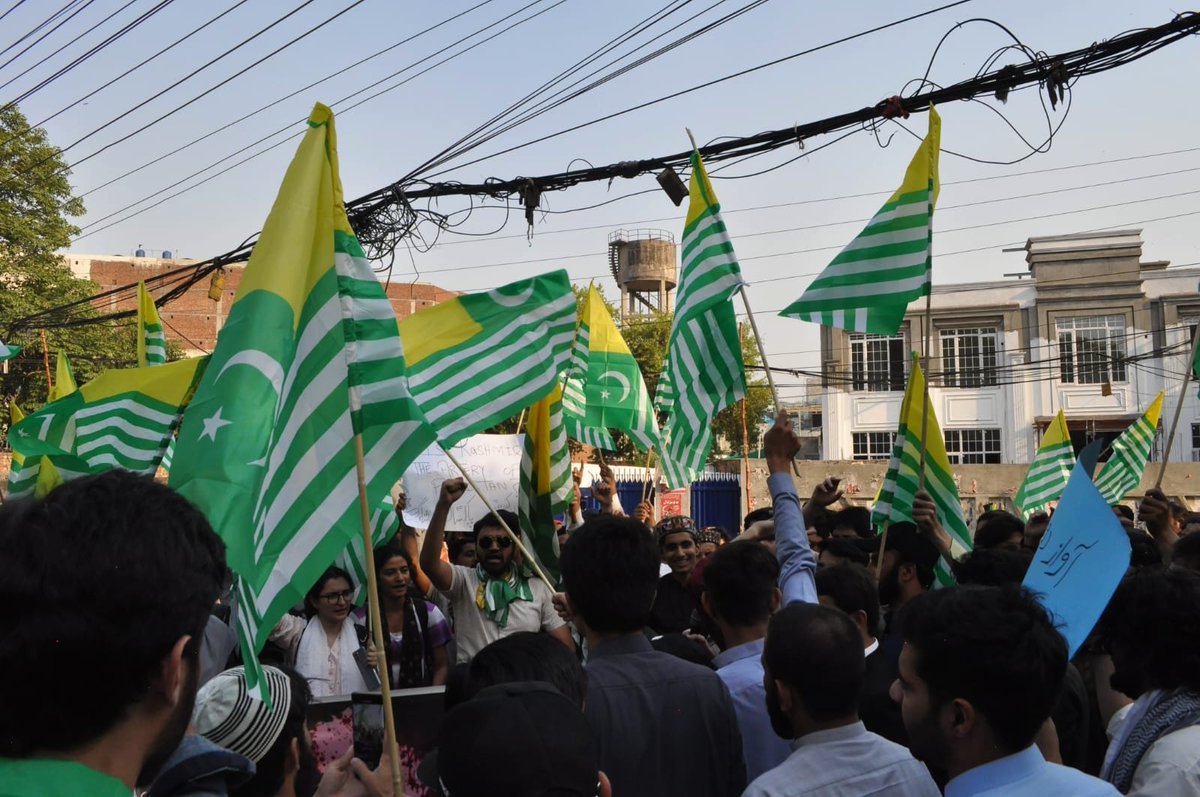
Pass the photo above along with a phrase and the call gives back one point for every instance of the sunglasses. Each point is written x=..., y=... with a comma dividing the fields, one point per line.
x=487, y=543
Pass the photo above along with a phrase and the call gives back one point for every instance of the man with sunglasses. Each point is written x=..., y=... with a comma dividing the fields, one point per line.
x=495, y=598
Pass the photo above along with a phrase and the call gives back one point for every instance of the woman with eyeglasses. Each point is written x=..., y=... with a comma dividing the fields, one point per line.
x=325, y=646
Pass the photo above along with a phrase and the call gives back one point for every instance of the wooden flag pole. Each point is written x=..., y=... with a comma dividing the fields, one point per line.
x=520, y=423
x=516, y=538
x=925, y=397
x=385, y=687
x=646, y=481
x=46, y=361
x=882, y=547
x=1187, y=380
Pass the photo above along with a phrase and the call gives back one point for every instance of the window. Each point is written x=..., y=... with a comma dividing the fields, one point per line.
x=877, y=362
x=873, y=445
x=969, y=357
x=1091, y=349
x=973, y=446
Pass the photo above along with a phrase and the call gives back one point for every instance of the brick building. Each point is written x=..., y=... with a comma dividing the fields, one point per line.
x=193, y=320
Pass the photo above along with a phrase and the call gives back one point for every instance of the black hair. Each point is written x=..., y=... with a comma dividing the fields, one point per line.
x=271, y=769
x=991, y=567
x=1124, y=511
x=1143, y=551
x=1186, y=552
x=852, y=589
x=740, y=580
x=527, y=656
x=915, y=549
x=995, y=527
x=846, y=549
x=755, y=515
x=818, y=652
x=489, y=521
x=610, y=574
x=314, y=592
x=455, y=545
x=105, y=572
x=391, y=550
x=1153, y=619
x=456, y=686
x=854, y=517
x=994, y=647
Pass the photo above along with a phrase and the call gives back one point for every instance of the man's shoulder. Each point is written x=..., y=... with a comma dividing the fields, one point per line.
x=1061, y=777
x=653, y=667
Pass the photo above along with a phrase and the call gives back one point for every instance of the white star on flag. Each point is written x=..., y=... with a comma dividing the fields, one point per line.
x=212, y=424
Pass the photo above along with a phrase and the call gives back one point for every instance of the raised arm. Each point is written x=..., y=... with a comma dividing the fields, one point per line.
x=439, y=572
x=924, y=514
x=797, y=564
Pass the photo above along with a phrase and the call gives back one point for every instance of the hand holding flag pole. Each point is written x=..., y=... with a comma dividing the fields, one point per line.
x=1187, y=380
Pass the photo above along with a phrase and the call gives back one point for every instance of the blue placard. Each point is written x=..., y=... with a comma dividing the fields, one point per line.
x=1081, y=560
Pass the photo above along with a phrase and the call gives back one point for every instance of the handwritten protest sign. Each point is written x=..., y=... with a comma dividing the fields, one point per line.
x=1080, y=561
x=493, y=462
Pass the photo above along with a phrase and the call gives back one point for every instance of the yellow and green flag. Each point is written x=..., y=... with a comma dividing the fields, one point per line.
x=308, y=375
x=124, y=418
x=1050, y=470
x=1130, y=452
x=151, y=342
x=64, y=379
x=902, y=481
x=481, y=358
x=545, y=487
x=868, y=286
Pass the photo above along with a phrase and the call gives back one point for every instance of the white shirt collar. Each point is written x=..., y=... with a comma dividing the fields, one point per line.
x=871, y=648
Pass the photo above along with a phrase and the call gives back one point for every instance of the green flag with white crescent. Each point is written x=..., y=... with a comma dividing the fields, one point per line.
x=307, y=369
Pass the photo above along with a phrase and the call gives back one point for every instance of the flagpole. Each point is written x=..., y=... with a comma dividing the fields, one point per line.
x=882, y=547
x=1187, y=380
x=925, y=366
x=646, y=481
x=520, y=422
x=385, y=687
x=529, y=557
x=46, y=361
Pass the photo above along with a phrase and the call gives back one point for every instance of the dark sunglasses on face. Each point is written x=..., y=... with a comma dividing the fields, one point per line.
x=487, y=543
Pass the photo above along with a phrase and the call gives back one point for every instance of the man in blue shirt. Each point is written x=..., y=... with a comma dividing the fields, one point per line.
x=980, y=671
x=740, y=593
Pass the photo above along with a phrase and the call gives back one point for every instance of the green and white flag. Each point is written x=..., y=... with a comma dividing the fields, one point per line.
x=1123, y=470
x=705, y=368
x=1050, y=470
x=7, y=352
x=151, y=342
x=574, y=397
x=868, y=286
x=480, y=359
x=307, y=369
x=903, y=477
x=121, y=419
x=355, y=561
x=545, y=488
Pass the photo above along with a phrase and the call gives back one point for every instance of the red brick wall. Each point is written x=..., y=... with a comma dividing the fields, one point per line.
x=192, y=320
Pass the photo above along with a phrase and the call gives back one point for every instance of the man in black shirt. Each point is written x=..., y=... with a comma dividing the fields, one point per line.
x=662, y=725
x=673, y=605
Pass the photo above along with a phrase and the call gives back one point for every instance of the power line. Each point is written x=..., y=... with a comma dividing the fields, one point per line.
x=71, y=4
x=85, y=56
x=12, y=8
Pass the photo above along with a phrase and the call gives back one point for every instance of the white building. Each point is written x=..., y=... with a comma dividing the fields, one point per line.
x=1092, y=330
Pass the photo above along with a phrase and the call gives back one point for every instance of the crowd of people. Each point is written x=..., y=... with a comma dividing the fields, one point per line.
x=806, y=656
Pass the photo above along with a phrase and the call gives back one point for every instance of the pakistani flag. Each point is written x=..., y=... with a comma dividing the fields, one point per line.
x=121, y=419
x=305, y=387
x=480, y=359
x=704, y=354
x=546, y=488
x=616, y=393
x=1050, y=470
x=902, y=480
x=7, y=352
x=151, y=342
x=869, y=284
x=1130, y=452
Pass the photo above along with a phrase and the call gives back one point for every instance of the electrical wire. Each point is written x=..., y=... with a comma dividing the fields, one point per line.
x=12, y=8
x=69, y=6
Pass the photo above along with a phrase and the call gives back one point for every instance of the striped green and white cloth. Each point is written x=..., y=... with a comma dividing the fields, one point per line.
x=1050, y=470
x=307, y=371
x=480, y=359
x=705, y=368
x=355, y=561
x=903, y=479
x=546, y=488
x=7, y=352
x=1130, y=452
x=152, y=343
x=574, y=396
x=868, y=286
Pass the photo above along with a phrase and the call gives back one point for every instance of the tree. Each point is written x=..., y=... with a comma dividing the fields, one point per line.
x=37, y=204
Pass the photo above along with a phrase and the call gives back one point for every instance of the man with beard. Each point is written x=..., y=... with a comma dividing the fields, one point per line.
x=108, y=582
x=494, y=598
x=813, y=670
x=906, y=572
x=1152, y=630
x=980, y=673
x=673, y=605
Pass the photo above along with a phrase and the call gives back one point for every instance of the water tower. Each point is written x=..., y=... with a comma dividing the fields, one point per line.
x=643, y=264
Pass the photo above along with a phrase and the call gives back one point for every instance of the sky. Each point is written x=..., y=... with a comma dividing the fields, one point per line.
x=1137, y=110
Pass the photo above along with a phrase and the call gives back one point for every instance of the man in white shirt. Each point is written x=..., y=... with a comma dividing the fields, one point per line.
x=494, y=598
x=813, y=672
